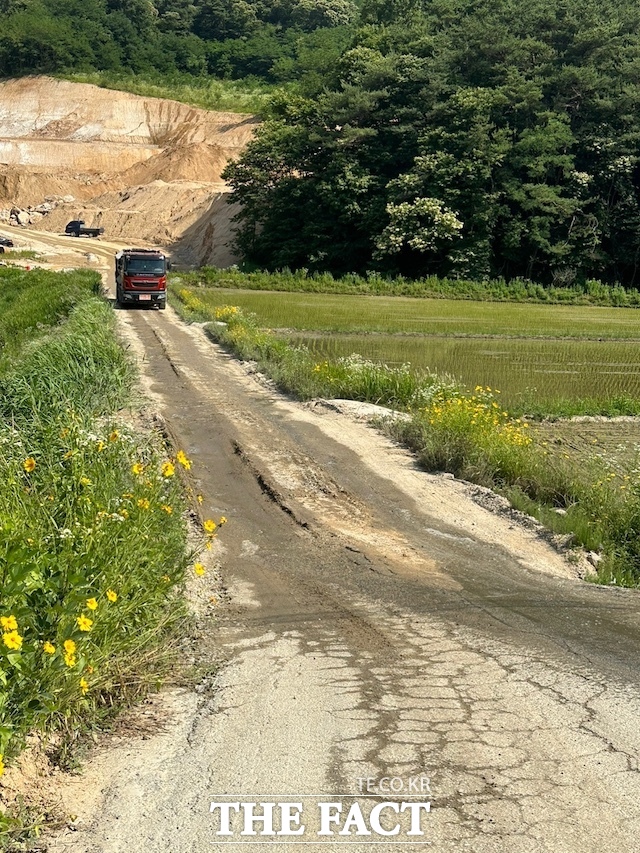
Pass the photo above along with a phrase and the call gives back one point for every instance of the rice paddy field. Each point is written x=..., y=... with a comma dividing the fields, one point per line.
x=539, y=356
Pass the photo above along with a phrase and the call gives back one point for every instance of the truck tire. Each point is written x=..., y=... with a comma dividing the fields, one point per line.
x=162, y=305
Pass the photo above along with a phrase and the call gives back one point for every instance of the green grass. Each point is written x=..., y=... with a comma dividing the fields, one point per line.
x=590, y=293
x=351, y=314
x=546, y=360
x=537, y=377
x=205, y=92
x=91, y=521
x=19, y=254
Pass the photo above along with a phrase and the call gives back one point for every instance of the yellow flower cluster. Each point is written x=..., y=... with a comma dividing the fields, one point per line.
x=480, y=416
x=181, y=457
x=11, y=637
x=227, y=313
x=190, y=300
x=70, y=653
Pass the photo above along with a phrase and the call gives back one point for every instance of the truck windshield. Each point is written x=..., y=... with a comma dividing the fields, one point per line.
x=149, y=266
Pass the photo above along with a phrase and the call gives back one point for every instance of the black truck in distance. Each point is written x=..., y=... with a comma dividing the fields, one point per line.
x=77, y=228
x=141, y=277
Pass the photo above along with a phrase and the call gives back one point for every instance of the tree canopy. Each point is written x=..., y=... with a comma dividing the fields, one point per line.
x=469, y=139
x=494, y=138
x=225, y=38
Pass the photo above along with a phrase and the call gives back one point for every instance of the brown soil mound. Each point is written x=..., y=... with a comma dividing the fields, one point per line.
x=142, y=168
x=201, y=162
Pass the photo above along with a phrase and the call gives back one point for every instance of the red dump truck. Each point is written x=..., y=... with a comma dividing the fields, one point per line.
x=141, y=277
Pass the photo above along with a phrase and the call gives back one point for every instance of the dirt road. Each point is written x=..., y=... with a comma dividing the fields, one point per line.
x=375, y=623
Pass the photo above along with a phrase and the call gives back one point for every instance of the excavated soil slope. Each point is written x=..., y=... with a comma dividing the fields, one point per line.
x=145, y=169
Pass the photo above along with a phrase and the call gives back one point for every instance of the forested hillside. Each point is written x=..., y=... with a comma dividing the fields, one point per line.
x=276, y=40
x=493, y=138
x=465, y=139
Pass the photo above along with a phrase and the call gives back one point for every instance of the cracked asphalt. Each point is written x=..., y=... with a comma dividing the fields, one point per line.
x=373, y=626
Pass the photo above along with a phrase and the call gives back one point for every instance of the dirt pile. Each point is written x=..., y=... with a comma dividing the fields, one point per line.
x=145, y=169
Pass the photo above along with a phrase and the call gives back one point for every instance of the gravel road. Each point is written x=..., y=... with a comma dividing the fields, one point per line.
x=376, y=624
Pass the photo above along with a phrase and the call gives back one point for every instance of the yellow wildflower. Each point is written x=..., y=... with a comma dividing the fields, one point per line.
x=84, y=623
x=114, y=435
x=90, y=669
x=84, y=685
x=12, y=640
x=223, y=520
x=69, y=646
x=85, y=481
x=143, y=503
x=209, y=525
x=111, y=595
x=166, y=578
x=92, y=604
x=1, y=764
x=199, y=498
x=70, y=660
x=168, y=469
x=137, y=468
x=48, y=648
x=199, y=569
x=29, y=464
x=101, y=446
x=9, y=623
x=168, y=509
x=182, y=459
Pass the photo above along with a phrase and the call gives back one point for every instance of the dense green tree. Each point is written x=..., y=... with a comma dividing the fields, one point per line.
x=474, y=139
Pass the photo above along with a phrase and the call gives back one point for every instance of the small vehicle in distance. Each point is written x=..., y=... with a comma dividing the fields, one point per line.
x=6, y=242
x=141, y=277
x=77, y=228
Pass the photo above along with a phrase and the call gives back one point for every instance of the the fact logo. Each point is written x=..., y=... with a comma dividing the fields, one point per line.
x=378, y=815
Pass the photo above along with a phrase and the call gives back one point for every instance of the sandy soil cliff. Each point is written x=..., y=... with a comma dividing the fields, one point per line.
x=147, y=170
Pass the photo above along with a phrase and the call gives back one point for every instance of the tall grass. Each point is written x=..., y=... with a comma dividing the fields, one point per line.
x=92, y=533
x=591, y=292
x=206, y=92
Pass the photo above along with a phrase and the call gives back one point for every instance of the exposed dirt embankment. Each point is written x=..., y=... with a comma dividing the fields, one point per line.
x=143, y=168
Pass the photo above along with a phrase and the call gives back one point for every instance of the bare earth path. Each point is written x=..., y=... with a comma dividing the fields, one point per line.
x=378, y=623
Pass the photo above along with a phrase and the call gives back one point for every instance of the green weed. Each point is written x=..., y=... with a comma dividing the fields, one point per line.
x=92, y=533
x=592, y=292
x=208, y=93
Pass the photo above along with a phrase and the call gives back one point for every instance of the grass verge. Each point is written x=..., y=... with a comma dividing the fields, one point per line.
x=591, y=292
x=93, y=544
x=468, y=435
x=205, y=92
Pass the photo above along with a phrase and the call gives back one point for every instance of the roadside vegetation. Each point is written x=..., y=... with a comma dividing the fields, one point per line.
x=590, y=292
x=93, y=545
x=547, y=360
x=468, y=433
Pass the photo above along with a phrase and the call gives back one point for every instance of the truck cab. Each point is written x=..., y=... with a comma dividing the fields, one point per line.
x=141, y=277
